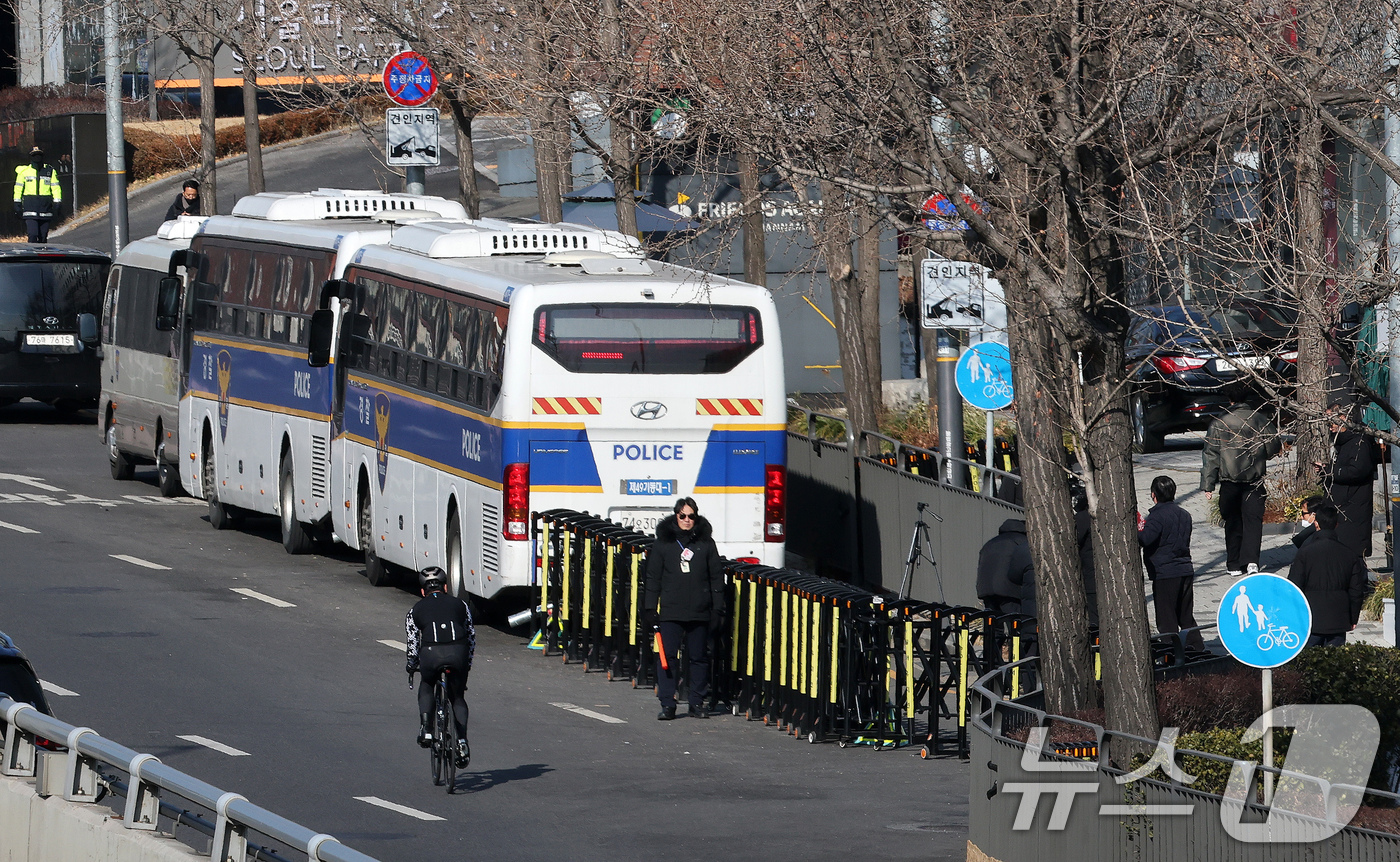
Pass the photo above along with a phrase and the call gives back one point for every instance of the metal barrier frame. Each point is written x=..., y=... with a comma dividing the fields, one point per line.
x=148, y=781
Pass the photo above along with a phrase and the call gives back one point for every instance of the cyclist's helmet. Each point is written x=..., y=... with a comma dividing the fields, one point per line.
x=432, y=578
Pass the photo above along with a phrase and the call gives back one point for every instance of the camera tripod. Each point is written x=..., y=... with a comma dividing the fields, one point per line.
x=917, y=554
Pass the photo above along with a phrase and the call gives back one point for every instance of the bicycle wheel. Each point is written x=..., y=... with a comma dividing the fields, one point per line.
x=1265, y=641
x=1290, y=640
x=439, y=746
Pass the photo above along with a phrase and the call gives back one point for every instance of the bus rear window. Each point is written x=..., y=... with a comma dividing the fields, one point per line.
x=648, y=338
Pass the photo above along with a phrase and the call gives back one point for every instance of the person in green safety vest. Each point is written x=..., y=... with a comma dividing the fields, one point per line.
x=37, y=195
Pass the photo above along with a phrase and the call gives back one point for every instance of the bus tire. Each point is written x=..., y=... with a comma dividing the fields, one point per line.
x=456, y=572
x=221, y=517
x=123, y=468
x=376, y=570
x=167, y=476
x=294, y=536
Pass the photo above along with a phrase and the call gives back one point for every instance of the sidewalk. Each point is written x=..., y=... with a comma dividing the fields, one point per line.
x=1182, y=462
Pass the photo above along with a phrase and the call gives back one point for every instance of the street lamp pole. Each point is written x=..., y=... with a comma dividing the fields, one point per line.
x=116, y=138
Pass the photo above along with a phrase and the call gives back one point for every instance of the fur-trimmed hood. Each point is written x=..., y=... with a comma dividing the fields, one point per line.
x=669, y=530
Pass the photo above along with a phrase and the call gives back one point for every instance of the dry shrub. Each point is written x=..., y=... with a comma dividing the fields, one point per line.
x=28, y=103
x=156, y=154
x=1205, y=702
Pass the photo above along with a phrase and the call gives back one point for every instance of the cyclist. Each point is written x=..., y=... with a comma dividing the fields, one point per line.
x=441, y=637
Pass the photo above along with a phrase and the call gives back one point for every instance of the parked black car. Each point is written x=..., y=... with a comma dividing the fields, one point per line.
x=17, y=678
x=1187, y=365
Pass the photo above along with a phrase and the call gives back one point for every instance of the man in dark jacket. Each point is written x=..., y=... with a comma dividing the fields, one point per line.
x=1005, y=578
x=186, y=203
x=1332, y=577
x=1238, y=447
x=1348, y=483
x=1307, y=521
x=1166, y=549
x=684, y=601
x=1084, y=536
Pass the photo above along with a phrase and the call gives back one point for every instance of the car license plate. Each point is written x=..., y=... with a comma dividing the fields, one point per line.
x=641, y=520
x=649, y=487
x=35, y=339
x=1237, y=363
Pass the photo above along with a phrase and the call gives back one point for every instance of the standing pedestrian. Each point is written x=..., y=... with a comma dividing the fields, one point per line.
x=1239, y=444
x=1307, y=521
x=1005, y=577
x=186, y=202
x=684, y=600
x=38, y=195
x=1332, y=577
x=1166, y=550
x=1348, y=481
x=1084, y=535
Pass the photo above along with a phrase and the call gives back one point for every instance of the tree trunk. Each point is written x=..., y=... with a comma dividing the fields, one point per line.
x=463, y=115
x=251, y=130
x=549, y=170
x=1314, y=312
x=857, y=319
x=1066, y=659
x=621, y=167
x=208, y=153
x=755, y=250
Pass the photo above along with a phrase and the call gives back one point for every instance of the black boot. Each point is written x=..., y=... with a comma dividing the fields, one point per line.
x=666, y=714
x=699, y=711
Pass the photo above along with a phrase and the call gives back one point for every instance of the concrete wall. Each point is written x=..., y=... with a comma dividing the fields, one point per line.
x=34, y=829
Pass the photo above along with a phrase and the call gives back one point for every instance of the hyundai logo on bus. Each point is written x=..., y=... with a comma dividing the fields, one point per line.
x=648, y=409
x=652, y=452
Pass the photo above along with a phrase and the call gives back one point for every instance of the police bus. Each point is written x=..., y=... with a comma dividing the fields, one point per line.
x=255, y=419
x=463, y=373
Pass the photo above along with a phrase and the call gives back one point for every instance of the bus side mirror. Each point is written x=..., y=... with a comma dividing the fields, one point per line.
x=318, y=342
x=167, y=303
x=336, y=287
x=87, y=327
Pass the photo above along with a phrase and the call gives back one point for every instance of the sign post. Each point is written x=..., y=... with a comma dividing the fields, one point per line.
x=1264, y=621
x=409, y=81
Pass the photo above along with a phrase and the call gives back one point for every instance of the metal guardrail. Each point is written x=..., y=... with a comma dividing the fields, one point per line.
x=999, y=763
x=148, y=779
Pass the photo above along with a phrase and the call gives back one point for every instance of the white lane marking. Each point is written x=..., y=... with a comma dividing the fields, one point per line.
x=137, y=561
x=56, y=689
x=401, y=809
x=17, y=528
x=569, y=707
x=153, y=500
x=398, y=645
x=262, y=597
x=216, y=746
x=31, y=481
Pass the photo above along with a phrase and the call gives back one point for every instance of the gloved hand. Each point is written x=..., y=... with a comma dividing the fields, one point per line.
x=19, y=207
x=411, y=667
x=716, y=620
x=650, y=619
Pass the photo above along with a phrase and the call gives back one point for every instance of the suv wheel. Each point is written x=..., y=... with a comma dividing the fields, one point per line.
x=1145, y=438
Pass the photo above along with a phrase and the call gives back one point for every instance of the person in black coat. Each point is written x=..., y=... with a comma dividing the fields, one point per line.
x=1084, y=536
x=684, y=600
x=1307, y=521
x=1166, y=549
x=1332, y=577
x=1348, y=483
x=186, y=203
x=1005, y=576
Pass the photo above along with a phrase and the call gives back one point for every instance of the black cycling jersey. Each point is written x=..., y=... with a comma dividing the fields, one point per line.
x=440, y=620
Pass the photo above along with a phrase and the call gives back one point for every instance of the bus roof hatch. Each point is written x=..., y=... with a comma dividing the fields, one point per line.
x=488, y=237
x=340, y=203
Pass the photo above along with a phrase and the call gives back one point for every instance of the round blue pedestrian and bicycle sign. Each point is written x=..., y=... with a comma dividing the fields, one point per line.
x=1264, y=620
x=984, y=376
x=409, y=80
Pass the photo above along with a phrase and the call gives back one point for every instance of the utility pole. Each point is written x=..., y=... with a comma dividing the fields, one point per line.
x=415, y=180
x=116, y=137
x=1392, y=241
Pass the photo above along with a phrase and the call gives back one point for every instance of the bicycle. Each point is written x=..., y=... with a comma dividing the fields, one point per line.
x=1277, y=636
x=442, y=750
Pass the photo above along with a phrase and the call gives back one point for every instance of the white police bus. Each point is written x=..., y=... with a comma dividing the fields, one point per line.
x=489, y=368
x=255, y=419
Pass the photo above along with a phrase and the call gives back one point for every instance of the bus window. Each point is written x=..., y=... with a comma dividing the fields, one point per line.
x=648, y=339
x=428, y=318
x=393, y=323
x=109, y=305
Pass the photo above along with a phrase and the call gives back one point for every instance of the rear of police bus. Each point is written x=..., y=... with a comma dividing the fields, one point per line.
x=642, y=390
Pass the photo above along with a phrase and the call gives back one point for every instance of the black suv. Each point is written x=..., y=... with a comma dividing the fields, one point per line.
x=17, y=678
x=1187, y=365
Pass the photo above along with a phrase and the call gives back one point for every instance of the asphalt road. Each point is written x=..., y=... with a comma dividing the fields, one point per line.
x=128, y=602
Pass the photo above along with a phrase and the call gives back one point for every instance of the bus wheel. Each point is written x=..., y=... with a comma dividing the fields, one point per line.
x=123, y=469
x=294, y=537
x=456, y=580
x=221, y=517
x=168, y=476
x=376, y=571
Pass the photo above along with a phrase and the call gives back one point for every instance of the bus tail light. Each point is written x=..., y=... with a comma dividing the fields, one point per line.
x=775, y=503
x=516, y=491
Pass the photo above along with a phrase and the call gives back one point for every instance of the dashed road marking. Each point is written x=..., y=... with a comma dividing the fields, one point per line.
x=262, y=597
x=401, y=809
x=137, y=561
x=17, y=528
x=56, y=689
x=215, y=746
x=578, y=710
x=398, y=645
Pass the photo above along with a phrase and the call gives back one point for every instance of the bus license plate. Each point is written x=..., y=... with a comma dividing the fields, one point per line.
x=47, y=340
x=649, y=487
x=641, y=520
